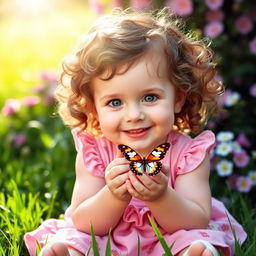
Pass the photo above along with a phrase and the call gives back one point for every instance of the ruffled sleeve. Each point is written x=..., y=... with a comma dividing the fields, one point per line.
x=97, y=152
x=194, y=151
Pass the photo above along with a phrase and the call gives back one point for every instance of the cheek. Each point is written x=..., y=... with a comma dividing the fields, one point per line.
x=107, y=121
x=166, y=119
x=163, y=116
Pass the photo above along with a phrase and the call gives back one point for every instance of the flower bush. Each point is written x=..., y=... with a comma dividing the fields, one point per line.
x=30, y=135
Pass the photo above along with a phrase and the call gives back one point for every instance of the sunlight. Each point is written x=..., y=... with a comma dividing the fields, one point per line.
x=32, y=8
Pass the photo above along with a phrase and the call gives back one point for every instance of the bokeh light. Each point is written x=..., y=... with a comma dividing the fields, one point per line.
x=35, y=36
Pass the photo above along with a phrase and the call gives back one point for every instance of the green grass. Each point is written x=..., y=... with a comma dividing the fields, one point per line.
x=20, y=212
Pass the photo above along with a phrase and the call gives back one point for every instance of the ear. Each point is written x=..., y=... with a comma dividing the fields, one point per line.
x=179, y=101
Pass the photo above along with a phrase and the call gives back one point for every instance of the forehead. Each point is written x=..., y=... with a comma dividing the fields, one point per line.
x=155, y=61
x=147, y=73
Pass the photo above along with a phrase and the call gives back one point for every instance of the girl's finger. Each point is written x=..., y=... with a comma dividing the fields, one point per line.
x=137, y=184
x=117, y=170
x=131, y=189
x=160, y=178
x=148, y=182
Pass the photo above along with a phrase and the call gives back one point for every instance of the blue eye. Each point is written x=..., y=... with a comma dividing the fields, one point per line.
x=150, y=98
x=115, y=103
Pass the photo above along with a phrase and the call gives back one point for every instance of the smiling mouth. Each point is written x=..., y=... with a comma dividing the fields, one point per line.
x=137, y=131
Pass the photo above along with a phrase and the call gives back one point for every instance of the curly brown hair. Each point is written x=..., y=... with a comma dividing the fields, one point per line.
x=121, y=39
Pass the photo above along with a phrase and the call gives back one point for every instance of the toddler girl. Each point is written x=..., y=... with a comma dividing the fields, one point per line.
x=138, y=80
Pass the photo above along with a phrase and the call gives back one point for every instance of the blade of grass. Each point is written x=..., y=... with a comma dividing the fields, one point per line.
x=238, y=248
x=108, y=246
x=88, y=251
x=160, y=238
x=38, y=248
x=138, y=246
x=94, y=243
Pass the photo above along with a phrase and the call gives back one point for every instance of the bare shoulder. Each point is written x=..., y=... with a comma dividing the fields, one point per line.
x=86, y=184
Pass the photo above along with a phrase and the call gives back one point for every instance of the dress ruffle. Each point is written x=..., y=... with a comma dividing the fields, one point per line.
x=194, y=151
x=97, y=152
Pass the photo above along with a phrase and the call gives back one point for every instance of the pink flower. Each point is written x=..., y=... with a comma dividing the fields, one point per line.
x=232, y=180
x=214, y=15
x=244, y=25
x=31, y=101
x=244, y=184
x=11, y=107
x=253, y=90
x=51, y=77
x=214, y=4
x=211, y=125
x=252, y=46
x=243, y=140
x=181, y=7
x=39, y=89
x=140, y=4
x=241, y=159
x=213, y=29
x=19, y=139
x=116, y=3
x=96, y=6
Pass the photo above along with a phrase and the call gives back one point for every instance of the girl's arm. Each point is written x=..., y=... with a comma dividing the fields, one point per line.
x=92, y=200
x=188, y=206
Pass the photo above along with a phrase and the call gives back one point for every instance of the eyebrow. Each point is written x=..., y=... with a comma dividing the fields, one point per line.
x=110, y=96
x=153, y=90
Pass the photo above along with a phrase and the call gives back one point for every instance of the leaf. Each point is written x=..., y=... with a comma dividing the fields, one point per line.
x=161, y=238
x=108, y=245
x=94, y=243
x=138, y=246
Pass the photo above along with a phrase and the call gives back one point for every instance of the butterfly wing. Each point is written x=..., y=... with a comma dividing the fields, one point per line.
x=158, y=153
x=136, y=162
x=153, y=166
x=129, y=153
x=137, y=167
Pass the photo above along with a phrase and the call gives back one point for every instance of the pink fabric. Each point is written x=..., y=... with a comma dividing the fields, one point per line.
x=184, y=156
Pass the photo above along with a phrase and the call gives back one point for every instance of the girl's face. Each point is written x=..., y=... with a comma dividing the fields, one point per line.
x=137, y=108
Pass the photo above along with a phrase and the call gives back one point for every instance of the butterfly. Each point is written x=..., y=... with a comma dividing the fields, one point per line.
x=150, y=165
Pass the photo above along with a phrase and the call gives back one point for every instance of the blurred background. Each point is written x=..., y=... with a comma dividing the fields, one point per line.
x=37, y=151
x=35, y=36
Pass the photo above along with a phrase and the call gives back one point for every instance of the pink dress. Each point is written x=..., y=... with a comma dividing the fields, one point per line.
x=184, y=155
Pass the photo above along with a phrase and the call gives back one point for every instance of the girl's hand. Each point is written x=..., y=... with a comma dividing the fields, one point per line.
x=116, y=175
x=148, y=188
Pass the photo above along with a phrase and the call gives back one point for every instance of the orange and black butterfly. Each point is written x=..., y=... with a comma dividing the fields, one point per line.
x=150, y=165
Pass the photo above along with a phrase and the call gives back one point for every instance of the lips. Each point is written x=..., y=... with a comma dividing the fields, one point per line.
x=136, y=133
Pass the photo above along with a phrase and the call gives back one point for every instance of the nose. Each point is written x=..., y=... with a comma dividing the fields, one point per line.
x=134, y=113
